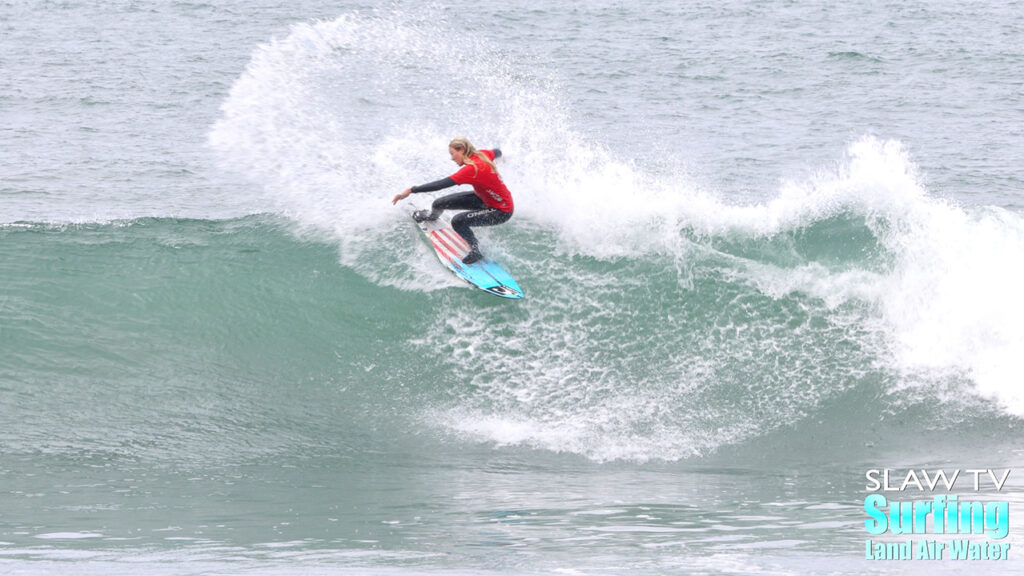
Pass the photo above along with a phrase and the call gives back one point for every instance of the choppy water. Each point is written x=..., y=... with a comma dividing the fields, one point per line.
x=766, y=248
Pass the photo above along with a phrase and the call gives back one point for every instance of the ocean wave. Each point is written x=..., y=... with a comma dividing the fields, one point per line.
x=663, y=322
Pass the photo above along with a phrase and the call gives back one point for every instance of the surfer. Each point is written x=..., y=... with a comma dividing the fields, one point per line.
x=489, y=203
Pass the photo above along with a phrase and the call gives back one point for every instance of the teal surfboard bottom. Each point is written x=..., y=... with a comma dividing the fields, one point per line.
x=490, y=276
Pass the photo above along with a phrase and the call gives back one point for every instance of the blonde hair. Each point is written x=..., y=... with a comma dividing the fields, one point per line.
x=463, y=143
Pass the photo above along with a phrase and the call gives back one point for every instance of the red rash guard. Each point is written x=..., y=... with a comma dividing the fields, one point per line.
x=486, y=182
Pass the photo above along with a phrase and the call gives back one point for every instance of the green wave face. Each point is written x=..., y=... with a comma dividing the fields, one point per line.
x=242, y=337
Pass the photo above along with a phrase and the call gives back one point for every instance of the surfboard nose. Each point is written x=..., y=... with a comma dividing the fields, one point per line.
x=505, y=292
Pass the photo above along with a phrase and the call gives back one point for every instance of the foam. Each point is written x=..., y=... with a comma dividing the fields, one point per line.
x=953, y=301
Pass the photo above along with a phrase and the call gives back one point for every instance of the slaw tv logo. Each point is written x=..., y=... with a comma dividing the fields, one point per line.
x=941, y=525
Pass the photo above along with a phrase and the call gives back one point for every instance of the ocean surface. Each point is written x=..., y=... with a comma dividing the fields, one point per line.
x=767, y=248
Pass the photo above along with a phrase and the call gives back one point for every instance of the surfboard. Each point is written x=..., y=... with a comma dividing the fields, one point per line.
x=450, y=248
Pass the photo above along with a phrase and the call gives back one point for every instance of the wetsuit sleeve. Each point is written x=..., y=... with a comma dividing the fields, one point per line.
x=434, y=186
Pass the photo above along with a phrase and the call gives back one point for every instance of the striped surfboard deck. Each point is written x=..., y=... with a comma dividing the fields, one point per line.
x=450, y=248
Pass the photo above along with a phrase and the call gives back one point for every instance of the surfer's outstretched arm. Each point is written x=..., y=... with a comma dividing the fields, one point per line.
x=434, y=186
x=429, y=187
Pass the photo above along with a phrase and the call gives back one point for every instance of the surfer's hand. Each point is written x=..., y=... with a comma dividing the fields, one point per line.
x=402, y=196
